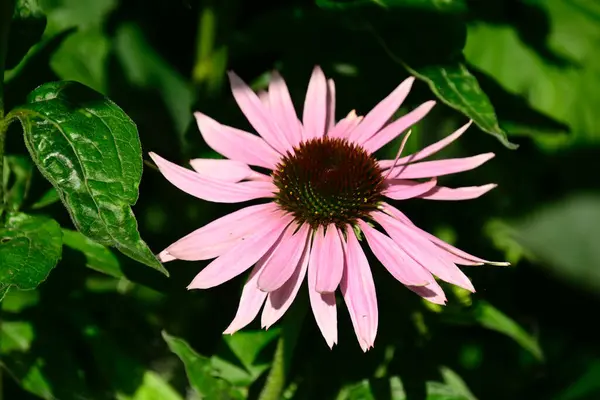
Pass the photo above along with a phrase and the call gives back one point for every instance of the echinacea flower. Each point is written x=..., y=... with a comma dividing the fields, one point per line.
x=326, y=190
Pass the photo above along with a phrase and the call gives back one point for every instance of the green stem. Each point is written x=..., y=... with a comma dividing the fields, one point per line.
x=282, y=360
x=6, y=12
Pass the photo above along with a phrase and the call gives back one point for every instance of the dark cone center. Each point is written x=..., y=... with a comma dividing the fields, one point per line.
x=327, y=181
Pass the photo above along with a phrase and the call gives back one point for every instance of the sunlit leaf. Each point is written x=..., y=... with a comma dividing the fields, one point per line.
x=89, y=149
x=30, y=247
x=199, y=371
x=97, y=256
x=48, y=198
x=357, y=391
x=153, y=387
x=453, y=380
x=15, y=336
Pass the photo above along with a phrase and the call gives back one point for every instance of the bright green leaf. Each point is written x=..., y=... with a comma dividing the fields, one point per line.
x=199, y=371
x=492, y=318
x=89, y=149
x=453, y=380
x=397, y=389
x=15, y=336
x=97, y=256
x=153, y=387
x=30, y=247
x=357, y=391
x=441, y=391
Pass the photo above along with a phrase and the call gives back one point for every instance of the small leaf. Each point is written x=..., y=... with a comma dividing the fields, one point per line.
x=17, y=180
x=26, y=29
x=453, y=84
x=397, y=389
x=199, y=371
x=153, y=387
x=48, y=198
x=435, y=5
x=30, y=246
x=441, y=391
x=453, y=380
x=97, y=256
x=89, y=149
x=357, y=391
x=15, y=336
x=492, y=318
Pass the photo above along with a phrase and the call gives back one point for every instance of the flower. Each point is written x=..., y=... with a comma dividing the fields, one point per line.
x=326, y=191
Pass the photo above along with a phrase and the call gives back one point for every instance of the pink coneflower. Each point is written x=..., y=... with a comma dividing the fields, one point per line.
x=326, y=192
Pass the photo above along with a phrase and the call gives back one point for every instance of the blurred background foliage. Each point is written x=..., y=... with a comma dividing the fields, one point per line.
x=527, y=72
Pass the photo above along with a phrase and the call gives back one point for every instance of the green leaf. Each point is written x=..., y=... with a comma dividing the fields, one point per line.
x=357, y=391
x=18, y=174
x=30, y=246
x=199, y=371
x=453, y=380
x=50, y=197
x=558, y=77
x=89, y=149
x=441, y=391
x=153, y=387
x=436, y=5
x=492, y=318
x=397, y=389
x=26, y=29
x=97, y=256
x=237, y=360
x=15, y=336
x=563, y=239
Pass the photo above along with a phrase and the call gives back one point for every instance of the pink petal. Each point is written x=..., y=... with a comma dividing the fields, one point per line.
x=314, y=116
x=283, y=109
x=395, y=128
x=219, y=236
x=263, y=95
x=343, y=128
x=323, y=306
x=330, y=105
x=225, y=170
x=462, y=193
x=242, y=256
x=328, y=256
x=381, y=113
x=400, y=189
x=210, y=189
x=164, y=256
x=250, y=302
x=429, y=150
x=394, y=259
x=281, y=299
x=432, y=292
x=236, y=144
x=281, y=266
x=257, y=114
x=423, y=251
x=428, y=169
x=358, y=289
x=456, y=255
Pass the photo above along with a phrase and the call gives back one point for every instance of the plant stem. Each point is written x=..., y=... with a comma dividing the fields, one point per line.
x=6, y=12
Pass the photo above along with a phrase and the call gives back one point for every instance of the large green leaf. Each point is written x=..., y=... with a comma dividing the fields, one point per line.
x=89, y=149
x=97, y=256
x=30, y=246
x=199, y=371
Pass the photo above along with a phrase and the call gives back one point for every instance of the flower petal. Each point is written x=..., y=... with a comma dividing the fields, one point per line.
x=428, y=169
x=395, y=128
x=217, y=237
x=381, y=113
x=432, y=292
x=164, y=256
x=283, y=110
x=358, y=289
x=456, y=255
x=323, y=306
x=210, y=189
x=401, y=189
x=423, y=252
x=281, y=266
x=251, y=301
x=429, y=150
x=242, y=256
x=314, y=116
x=281, y=299
x=394, y=259
x=236, y=144
x=343, y=128
x=462, y=193
x=330, y=105
x=328, y=256
x=225, y=170
x=257, y=114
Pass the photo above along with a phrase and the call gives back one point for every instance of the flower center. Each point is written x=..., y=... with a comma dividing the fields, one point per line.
x=328, y=181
